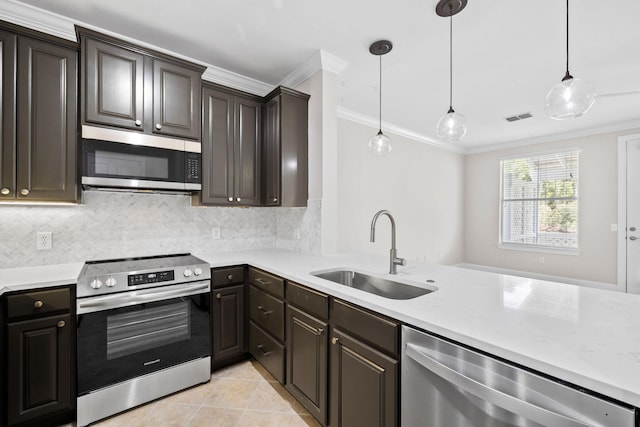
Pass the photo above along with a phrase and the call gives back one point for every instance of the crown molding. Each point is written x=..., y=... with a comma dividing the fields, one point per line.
x=345, y=113
x=613, y=127
x=37, y=19
x=321, y=60
x=237, y=81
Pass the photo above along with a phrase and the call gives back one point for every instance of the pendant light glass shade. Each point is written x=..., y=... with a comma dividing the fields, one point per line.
x=380, y=144
x=452, y=126
x=569, y=99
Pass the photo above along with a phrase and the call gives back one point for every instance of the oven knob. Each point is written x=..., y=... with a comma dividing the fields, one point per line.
x=111, y=282
x=96, y=284
x=188, y=273
x=197, y=271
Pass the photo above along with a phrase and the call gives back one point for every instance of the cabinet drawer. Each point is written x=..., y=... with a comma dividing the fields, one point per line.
x=266, y=282
x=378, y=331
x=267, y=311
x=40, y=302
x=309, y=300
x=227, y=276
x=267, y=351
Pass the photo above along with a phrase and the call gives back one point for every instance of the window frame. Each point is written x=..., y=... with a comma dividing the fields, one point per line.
x=529, y=247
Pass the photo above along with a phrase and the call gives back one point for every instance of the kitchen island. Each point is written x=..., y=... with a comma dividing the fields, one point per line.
x=583, y=336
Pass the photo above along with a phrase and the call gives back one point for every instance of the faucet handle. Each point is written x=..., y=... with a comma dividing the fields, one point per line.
x=400, y=261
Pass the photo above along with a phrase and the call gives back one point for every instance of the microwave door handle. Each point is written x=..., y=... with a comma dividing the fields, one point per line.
x=510, y=403
x=136, y=297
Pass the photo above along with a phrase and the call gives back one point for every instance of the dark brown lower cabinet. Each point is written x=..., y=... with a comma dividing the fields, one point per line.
x=364, y=384
x=39, y=361
x=307, y=361
x=228, y=323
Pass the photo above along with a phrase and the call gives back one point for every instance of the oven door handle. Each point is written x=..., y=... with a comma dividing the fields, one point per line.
x=125, y=299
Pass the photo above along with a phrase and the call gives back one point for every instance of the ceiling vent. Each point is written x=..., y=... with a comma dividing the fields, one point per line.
x=518, y=117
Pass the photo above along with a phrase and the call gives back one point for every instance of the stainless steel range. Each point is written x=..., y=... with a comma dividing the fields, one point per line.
x=144, y=331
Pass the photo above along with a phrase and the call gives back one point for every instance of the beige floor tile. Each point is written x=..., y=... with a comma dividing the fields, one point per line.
x=249, y=370
x=301, y=420
x=218, y=417
x=264, y=419
x=231, y=393
x=274, y=397
x=169, y=415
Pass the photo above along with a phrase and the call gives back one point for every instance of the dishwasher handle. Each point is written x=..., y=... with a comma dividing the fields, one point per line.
x=505, y=401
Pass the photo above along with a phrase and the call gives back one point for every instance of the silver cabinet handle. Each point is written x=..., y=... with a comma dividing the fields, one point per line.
x=231, y=199
x=230, y=277
x=5, y=191
x=335, y=340
x=632, y=229
x=264, y=353
x=38, y=304
x=510, y=403
x=138, y=123
x=24, y=192
x=263, y=311
x=218, y=296
x=275, y=199
x=238, y=199
x=633, y=238
x=158, y=126
x=262, y=281
x=60, y=324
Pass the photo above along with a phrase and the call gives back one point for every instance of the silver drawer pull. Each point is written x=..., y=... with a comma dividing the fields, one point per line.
x=5, y=191
x=263, y=282
x=335, y=340
x=24, y=192
x=138, y=123
x=60, y=324
x=230, y=277
x=264, y=352
x=218, y=296
x=158, y=126
x=38, y=304
x=263, y=311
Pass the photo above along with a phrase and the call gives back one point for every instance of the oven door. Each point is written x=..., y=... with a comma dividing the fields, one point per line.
x=130, y=334
x=114, y=164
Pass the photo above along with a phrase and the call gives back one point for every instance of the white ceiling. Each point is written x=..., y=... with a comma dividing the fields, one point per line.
x=507, y=54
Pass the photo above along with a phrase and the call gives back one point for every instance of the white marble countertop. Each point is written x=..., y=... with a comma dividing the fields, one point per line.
x=588, y=337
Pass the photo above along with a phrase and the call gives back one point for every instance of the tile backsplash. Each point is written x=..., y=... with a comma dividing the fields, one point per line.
x=121, y=224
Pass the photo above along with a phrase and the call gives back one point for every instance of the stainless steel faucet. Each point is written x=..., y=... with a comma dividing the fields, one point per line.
x=394, y=260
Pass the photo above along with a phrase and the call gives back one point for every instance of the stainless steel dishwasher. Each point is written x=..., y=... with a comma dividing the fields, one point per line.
x=447, y=385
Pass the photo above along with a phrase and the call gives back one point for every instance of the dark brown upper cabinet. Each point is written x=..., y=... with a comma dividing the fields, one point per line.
x=39, y=115
x=285, y=171
x=129, y=87
x=231, y=147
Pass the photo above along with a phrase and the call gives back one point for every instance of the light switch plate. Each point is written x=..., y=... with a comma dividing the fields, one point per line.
x=215, y=233
x=44, y=240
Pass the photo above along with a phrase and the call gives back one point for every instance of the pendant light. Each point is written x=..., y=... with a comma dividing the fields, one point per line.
x=452, y=126
x=380, y=144
x=571, y=97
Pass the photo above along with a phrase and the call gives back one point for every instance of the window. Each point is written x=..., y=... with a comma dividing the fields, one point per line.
x=539, y=201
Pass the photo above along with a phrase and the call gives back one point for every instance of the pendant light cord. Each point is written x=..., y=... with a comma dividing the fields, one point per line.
x=567, y=75
x=451, y=58
x=380, y=97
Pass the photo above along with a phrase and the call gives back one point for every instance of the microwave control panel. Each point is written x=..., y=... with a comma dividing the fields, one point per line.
x=192, y=167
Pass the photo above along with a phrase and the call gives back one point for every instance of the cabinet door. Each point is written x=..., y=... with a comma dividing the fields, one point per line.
x=228, y=322
x=364, y=384
x=39, y=368
x=113, y=86
x=176, y=100
x=7, y=115
x=217, y=147
x=248, y=146
x=307, y=361
x=47, y=114
x=271, y=184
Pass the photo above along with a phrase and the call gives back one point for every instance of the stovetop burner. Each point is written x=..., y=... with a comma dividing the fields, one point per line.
x=125, y=274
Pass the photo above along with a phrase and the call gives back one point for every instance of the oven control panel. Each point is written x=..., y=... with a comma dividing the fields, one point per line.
x=154, y=277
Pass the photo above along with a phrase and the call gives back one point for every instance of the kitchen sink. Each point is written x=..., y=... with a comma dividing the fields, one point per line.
x=374, y=285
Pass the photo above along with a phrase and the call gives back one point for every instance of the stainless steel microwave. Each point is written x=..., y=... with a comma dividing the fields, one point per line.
x=119, y=159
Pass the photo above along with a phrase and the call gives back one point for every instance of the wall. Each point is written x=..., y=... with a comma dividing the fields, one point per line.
x=421, y=185
x=115, y=225
x=597, y=211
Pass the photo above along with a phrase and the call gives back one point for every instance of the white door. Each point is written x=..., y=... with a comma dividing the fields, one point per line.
x=633, y=216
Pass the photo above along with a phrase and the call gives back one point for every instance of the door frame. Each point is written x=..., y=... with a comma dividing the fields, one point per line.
x=622, y=209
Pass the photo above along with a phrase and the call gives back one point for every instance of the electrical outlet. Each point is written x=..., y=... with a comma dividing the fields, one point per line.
x=541, y=260
x=296, y=234
x=215, y=233
x=44, y=240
